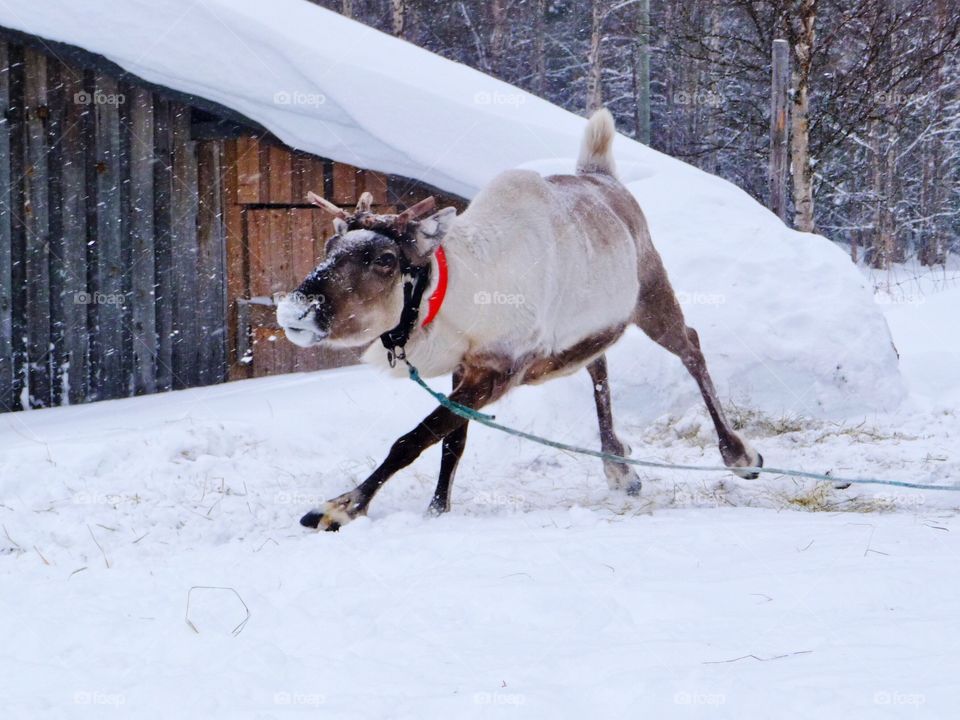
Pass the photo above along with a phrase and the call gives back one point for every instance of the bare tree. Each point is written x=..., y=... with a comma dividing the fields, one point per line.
x=594, y=68
x=398, y=15
x=801, y=33
x=875, y=93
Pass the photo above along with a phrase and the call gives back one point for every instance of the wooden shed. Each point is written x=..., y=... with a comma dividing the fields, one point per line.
x=144, y=233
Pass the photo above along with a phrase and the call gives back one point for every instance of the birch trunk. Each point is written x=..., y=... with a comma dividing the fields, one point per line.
x=398, y=9
x=800, y=119
x=540, y=52
x=594, y=71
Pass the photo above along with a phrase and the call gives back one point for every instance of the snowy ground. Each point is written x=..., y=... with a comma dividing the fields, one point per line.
x=542, y=595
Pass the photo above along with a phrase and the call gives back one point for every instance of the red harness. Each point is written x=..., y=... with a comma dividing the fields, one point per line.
x=436, y=300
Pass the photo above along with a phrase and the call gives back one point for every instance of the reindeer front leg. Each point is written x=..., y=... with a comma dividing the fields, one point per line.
x=478, y=387
x=453, y=445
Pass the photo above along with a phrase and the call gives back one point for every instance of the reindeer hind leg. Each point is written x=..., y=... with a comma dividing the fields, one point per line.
x=659, y=315
x=620, y=476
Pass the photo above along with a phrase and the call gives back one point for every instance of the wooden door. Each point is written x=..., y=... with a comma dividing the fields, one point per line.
x=285, y=244
x=274, y=238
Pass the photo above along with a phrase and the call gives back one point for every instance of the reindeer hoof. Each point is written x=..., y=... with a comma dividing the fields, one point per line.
x=750, y=475
x=312, y=519
x=318, y=520
x=622, y=478
x=437, y=508
x=333, y=515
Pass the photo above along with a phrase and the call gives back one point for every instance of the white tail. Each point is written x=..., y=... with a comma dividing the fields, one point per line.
x=596, y=150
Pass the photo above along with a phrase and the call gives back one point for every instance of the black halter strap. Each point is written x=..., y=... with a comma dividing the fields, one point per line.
x=416, y=278
x=415, y=282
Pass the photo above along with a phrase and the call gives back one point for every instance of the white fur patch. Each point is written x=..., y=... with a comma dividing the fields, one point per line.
x=334, y=513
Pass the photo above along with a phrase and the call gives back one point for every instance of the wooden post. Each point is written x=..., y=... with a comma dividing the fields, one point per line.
x=78, y=127
x=37, y=216
x=107, y=293
x=162, y=228
x=236, y=261
x=6, y=254
x=185, y=208
x=17, y=122
x=211, y=264
x=61, y=302
x=143, y=297
x=779, y=156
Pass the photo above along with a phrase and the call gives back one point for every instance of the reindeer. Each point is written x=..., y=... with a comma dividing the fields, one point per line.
x=571, y=258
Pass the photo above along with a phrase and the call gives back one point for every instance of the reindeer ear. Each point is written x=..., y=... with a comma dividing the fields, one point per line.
x=340, y=226
x=328, y=245
x=431, y=231
x=428, y=234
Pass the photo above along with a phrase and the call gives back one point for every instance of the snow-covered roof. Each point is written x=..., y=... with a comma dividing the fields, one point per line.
x=786, y=320
x=321, y=82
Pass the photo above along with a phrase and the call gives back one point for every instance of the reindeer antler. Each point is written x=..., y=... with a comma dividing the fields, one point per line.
x=327, y=205
x=364, y=203
x=362, y=216
x=413, y=212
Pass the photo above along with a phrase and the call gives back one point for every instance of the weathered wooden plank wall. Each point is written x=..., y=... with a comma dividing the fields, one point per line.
x=112, y=254
x=135, y=231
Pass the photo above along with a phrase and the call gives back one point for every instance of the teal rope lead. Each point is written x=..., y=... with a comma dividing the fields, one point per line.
x=469, y=413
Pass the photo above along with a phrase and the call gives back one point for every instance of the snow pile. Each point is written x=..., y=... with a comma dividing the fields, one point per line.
x=787, y=323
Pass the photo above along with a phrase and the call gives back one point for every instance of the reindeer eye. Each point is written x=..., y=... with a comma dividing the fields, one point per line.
x=386, y=260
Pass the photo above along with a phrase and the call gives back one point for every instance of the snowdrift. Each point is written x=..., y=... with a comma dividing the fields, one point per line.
x=786, y=321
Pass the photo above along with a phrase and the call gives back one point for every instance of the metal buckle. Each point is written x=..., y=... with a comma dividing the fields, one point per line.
x=397, y=353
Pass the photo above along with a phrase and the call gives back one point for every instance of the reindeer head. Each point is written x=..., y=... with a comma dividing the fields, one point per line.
x=356, y=293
